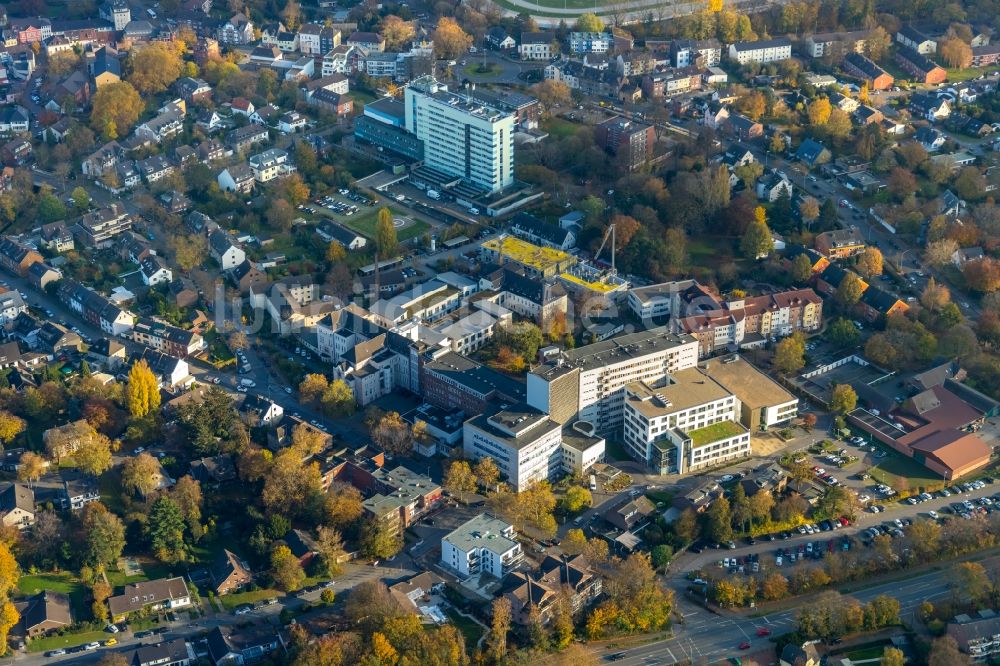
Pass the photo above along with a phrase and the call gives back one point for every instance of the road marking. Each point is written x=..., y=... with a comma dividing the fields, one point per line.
x=671, y=654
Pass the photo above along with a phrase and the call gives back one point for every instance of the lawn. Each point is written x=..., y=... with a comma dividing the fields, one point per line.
x=469, y=629
x=873, y=652
x=361, y=97
x=231, y=601
x=560, y=128
x=895, y=470
x=714, y=432
x=615, y=451
x=63, y=583
x=477, y=69
x=69, y=640
x=365, y=224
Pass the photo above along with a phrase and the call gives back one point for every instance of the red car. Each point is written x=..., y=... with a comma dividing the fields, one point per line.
x=745, y=645
x=763, y=631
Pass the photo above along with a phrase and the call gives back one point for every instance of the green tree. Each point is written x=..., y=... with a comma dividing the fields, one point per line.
x=892, y=657
x=718, y=524
x=801, y=269
x=379, y=539
x=166, y=531
x=385, y=235
x=589, y=22
x=140, y=474
x=142, y=393
x=849, y=290
x=661, y=555
x=338, y=399
x=103, y=535
x=50, y=208
x=843, y=333
x=80, y=199
x=757, y=241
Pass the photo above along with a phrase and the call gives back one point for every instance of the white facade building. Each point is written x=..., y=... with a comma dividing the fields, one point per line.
x=771, y=50
x=588, y=383
x=525, y=444
x=462, y=136
x=482, y=545
x=270, y=164
x=688, y=424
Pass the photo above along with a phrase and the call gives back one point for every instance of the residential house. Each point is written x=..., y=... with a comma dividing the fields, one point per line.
x=770, y=188
x=337, y=83
x=835, y=44
x=840, y=243
x=17, y=152
x=154, y=168
x=498, y=39
x=171, y=372
x=42, y=613
x=930, y=138
x=334, y=102
x=217, y=469
x=78, y=490
x=229, y=573
x=108, y=354
x=310, y=39
x=369, y=41
x=56, y=237
x=877, y=303
x=162, y=593
x=53, y=338
x=241, y=106
x=169, y=339
x=94, y=308
x=537, y=45
x=17, y=505
x=270, y=164
x=175, y=652
x=225, y=250
x=259, y=411
x=964, y=255
x=103, y=160
x=154, y=270
x=590, y=42
x=13, y=119
x=867, y=115
x=238, y=178
x=11, y=305
x=193, y=90
x=533, y=230
x=743, y=128
x=228, y=646
x=41, y=274
x=813, y=153
x=351, y=240
x=985, y=56
x=106, y=68
x=929, y=107
x=302, y=545
x=246, y=278
x=238, y=30
x=244, y=138
x=290, y=122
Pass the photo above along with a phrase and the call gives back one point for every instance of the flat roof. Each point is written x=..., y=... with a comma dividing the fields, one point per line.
x=690, y=388
x=483, y=531
x=714, y=433
x=750, y=385
x=575, y=439
x=478, y=377
x=615, y=350
x=517, y=428
x=526, y=253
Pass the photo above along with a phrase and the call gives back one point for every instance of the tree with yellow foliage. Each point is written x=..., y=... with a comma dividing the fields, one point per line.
x=142, y=394
x=450, y=41
x=382, y=653
x=9, y=575
x=715, y=6
x=115, y=108
x=154, y=67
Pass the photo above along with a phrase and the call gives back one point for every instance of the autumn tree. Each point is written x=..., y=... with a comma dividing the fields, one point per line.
x=843, y=398
x=330, y=547
x=385, y=235
x=487, y=473
x=103, y=536
x=956, y=53
x=397, y=33
x=809, y=210
x=335, y=252
x=186, y=493
x=9, y=576
x=757, y=241
x=789, y=354
x=901, y=183
x=576, y=499
x=93, y=455
x=290, y=488
x=551, y=93
x=450, y=41
x=142, y=393
x=380, y=539
x=982, y=275
x=154, y=67
x=393, y=434
x=114, y=110
x=869, y=262
x=190, y=251
x=877, y=43
x=819, y=112
x=286, y=572
x=140, y=474
x=753, y=104
x=496, y=643
x=459, y=479
x=935, y=296
x=343, y=506
x=312, y=388
x=31, y=467
x=10, y=427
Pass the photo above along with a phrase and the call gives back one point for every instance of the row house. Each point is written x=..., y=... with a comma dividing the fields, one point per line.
x=168, y=339
x=910, y=37
x=923, y=69
x=30, y=30
x=868, y=71
x=17, y=258
x=986, y=55
x=94, y=308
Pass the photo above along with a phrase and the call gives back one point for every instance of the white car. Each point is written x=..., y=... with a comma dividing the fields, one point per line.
x=241, y=389
x=91, y=646
x=933, y=514
x=139, y=450
x=864, y=498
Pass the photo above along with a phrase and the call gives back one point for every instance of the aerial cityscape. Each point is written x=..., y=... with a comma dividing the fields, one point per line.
x=499, y=332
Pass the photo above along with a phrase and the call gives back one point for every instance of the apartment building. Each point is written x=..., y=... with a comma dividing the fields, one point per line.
x=701, y=53
x=834, y=44
x=525, y=444
x=482, y=545
x=684, y=425
x=631, y=141
x=658, y=301
x=536, y=45
x=910, y=37
x=588, y=383
x=590, y=42
x=771, y=50
x=461, y=135
x=99, y=228
x=867, y=70
x=457, y=382
x=840, y=243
